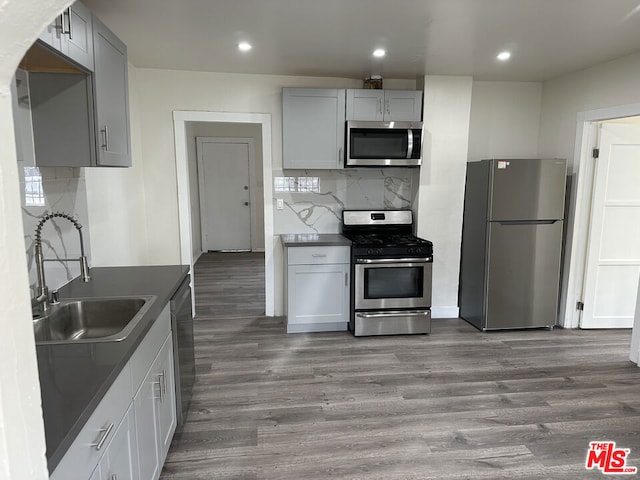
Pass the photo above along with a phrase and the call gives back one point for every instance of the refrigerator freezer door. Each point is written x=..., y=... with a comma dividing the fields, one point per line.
x=523, y=275
x=527, y=189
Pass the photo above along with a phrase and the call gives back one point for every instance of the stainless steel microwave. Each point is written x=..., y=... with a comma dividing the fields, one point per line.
x=383, y=144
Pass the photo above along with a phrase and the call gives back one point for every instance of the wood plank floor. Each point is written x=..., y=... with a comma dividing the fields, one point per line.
x=456, y=404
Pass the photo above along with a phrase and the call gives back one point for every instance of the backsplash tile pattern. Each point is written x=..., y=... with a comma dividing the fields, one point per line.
x=321, y=212
x=64, y=190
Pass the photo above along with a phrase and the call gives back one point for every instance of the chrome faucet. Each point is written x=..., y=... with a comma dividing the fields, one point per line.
x=42, y=292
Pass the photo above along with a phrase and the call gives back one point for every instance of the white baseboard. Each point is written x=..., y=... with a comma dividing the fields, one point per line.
x=197, y=256
x=258, y=250
x=445, y=312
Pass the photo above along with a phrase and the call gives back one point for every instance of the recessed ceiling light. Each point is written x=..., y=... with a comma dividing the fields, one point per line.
x=503, y=56
x=244, y=46
x=379, y=52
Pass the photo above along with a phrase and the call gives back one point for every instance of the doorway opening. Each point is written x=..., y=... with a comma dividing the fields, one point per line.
x=612, y=263
x=594, y=242
x=191, y=124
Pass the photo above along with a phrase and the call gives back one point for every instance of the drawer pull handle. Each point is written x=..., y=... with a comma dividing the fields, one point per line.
x=103, y=437
x=319, y=255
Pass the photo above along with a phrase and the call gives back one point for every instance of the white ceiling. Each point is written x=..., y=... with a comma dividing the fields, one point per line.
x=548, y=38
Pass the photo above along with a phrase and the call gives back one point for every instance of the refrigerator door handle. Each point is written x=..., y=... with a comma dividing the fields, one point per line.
x=528, y=222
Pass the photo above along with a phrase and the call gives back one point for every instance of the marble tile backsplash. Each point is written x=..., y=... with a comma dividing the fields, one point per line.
x=321, y=212
x=56, y=189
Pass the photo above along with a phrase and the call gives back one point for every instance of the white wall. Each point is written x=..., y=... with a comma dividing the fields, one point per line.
x=22, y=444
x=605, y=85
x=447, y=107
x=116, y=202
x=505, y=120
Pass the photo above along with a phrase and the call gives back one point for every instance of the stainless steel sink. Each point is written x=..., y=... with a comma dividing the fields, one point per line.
x=90, y=319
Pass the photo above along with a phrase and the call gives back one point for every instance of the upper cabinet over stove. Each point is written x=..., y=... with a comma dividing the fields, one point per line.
x=313, y=121
x=384, y=105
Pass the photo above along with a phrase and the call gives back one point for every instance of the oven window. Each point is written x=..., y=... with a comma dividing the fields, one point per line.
x=393, y=282
x=378, y=143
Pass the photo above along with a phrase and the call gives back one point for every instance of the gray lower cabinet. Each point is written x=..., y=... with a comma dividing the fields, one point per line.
x=128, y=435
x=313, y=128
x=155, y=408
x=111, y=98
x=384, y=105
x=120, y=459
x=71, y=33
x=317, y=280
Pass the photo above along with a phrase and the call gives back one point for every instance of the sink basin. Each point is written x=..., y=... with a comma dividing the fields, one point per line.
x=90, y=319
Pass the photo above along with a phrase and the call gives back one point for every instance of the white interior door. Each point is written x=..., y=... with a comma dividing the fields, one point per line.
x=613, y=255
x=225, y=194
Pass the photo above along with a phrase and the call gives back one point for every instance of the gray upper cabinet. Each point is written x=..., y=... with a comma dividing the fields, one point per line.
x=71, y=34
x=71, y=96
x=111, y=98
x=384, y=105
x=313, y=128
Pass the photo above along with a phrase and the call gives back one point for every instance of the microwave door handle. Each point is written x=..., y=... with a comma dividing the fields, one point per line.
x=409, y=143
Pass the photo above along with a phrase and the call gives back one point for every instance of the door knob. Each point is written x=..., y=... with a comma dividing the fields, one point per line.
x=246, y=203
x=246, y=187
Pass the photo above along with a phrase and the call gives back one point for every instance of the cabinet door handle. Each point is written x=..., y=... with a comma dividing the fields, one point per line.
x=159, y=384
x=388, y=106
x=318, y=255
x=380, y=106
x=61, y=26
x=68, y=31
x=114, y=477
x=105, y=145
x=164, y=384
x=104, y=433
x=346, y=279
x=340, y=158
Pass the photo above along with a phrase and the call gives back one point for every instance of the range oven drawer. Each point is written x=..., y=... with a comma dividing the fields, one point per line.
x=390, y=322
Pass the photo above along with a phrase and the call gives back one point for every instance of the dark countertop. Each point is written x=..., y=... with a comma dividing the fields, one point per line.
x=75, y=377
x=314, y=240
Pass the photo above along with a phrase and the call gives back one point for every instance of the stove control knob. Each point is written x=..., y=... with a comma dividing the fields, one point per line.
x=369, y=251
x=410, y=251
x=418, y=251
x=379, y=251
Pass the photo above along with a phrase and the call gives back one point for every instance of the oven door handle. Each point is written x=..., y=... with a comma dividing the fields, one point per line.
x=395, y=313
x=395, y=260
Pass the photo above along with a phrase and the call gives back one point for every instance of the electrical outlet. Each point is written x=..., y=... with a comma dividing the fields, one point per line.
x=279, y=204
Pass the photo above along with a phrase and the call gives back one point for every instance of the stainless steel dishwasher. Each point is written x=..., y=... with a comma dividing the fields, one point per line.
x=184, y=360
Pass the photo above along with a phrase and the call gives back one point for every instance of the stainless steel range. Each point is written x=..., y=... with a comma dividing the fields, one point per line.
x=390, y=273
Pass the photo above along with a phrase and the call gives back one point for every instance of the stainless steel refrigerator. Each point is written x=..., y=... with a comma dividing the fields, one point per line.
x=512, y=242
